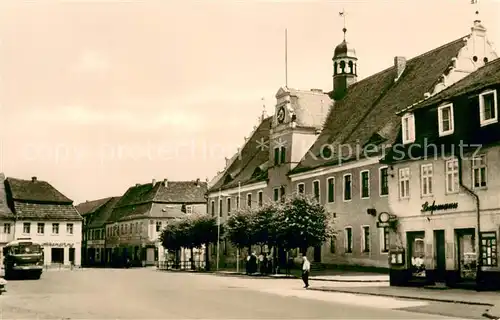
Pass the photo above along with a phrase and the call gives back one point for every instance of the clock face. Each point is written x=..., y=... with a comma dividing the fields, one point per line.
x=281, y=115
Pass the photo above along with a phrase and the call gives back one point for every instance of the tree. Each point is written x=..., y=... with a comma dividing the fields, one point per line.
x=264, y=224
x=240, y=228
x=302, y=223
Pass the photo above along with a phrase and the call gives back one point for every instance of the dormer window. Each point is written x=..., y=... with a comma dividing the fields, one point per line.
x=445, y=118
x=488, y=107
x=408, y=126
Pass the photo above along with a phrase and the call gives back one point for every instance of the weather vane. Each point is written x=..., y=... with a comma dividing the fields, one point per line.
x=343, y=14
x=476, y=3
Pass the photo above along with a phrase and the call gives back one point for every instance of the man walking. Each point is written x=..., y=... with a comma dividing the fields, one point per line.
x=306, y=268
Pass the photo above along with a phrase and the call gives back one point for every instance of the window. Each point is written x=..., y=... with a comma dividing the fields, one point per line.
x=6, y=228
x=189, y=209
x=408, y=127
x=365, y=184
x=445, y=120
x=332, y=245
x=426, y=179
x=212, y=208
x=365, y=239
x=220, y=207
x=404, y=183
x=348, y=240
x=283, y=155
x=238, y=201
x=282, y=193
x=69, y=230
x=55, y=228
x=316, y=190
x=26, y=228
x=384, y=181
x=126, y=228
x=276, y=194
x=158, y=226
x=261, y=198
x=301, y=188
x=276, y=156
x=249, y=200
x=40, y=229
x=489, y=248
x=479, y=171
x=452, y=176
x=488, y=107
x=347, y=187
x=228, y=206
x=331, y=189
x=384, y=240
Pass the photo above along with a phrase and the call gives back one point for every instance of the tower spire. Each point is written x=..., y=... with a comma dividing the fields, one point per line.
x=476, y=13
x=343, y=14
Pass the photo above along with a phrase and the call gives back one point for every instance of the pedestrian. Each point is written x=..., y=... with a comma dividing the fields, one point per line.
x=306, y=269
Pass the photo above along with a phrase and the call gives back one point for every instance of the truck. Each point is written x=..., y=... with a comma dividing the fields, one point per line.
x=23, y=259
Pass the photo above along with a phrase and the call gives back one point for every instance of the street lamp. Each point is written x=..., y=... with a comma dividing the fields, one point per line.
x=218, y=224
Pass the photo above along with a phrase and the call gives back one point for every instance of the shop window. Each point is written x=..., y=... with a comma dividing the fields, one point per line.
x=467, y=254
x=489, y=249
x=417, y=254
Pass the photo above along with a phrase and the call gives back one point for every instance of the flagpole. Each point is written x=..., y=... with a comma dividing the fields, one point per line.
x=218, y=228
x=286, y=58
x=238, y=249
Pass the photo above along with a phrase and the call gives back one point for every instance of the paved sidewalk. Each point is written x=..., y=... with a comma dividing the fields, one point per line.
x=445, y=295
x=352, y=278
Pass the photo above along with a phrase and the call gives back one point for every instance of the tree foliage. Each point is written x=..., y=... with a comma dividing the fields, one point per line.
x=303, y=223
x=265, y=224
x=240, y=228
x=190, y=232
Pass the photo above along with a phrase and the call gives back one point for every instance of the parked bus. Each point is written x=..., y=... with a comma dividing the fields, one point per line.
x=23, y=258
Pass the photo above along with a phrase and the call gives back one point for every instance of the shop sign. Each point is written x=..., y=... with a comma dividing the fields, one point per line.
x=57, y=244
x=385, y=220
x=426, y=207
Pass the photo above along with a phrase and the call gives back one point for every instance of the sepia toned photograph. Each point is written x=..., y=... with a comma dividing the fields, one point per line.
x=249, y=159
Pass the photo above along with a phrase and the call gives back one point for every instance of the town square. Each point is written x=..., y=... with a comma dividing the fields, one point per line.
x=257, y=159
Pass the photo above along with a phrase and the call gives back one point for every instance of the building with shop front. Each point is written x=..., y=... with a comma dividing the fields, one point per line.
x=329, y=146
x=6, y=219
x=445, y=171
x=139, y=216
x=45, y=215
x=95, y=215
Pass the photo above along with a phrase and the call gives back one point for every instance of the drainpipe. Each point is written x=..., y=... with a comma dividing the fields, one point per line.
x=478, y=218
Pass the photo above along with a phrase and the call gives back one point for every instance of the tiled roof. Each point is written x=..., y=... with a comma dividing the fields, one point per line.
x=482, y=78
x=38, y=200
x=5, y=212
x=137, y=200
x=35, y=191
x=368, y=111
x=37, y=211
x=102, y=213
x=252, y=155
x=91, y=206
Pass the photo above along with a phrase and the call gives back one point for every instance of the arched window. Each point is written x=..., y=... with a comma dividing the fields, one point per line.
x=335, y=68
x=351, y=67
x=342, y=66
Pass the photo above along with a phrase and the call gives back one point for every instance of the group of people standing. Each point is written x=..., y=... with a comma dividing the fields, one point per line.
x=262, y=263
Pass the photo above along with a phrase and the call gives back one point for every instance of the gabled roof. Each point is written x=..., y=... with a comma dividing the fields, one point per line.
x=5, y=212
x=254, y=153
x=102, y=213
x=35, y=191
x=482, y=78
x=138, y=200
x=91, y=206
x=368, y=111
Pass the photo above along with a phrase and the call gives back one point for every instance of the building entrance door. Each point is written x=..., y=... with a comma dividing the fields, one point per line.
x=440, y=255
x=466, y=249
x=317, y=254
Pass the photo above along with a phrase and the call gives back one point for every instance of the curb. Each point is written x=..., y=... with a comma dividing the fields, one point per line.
x=223, y=274
x=405, y=297
x=351, y=281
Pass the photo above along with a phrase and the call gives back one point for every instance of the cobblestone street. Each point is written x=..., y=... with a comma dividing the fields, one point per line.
x=150, y=294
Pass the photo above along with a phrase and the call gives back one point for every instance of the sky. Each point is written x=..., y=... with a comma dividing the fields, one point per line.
x=96, y=96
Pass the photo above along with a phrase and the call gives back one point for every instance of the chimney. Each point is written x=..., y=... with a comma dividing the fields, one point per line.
x=165, y=182
x=33, y=179
x=198, y=182
x=153, y=182
x=400, y=65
